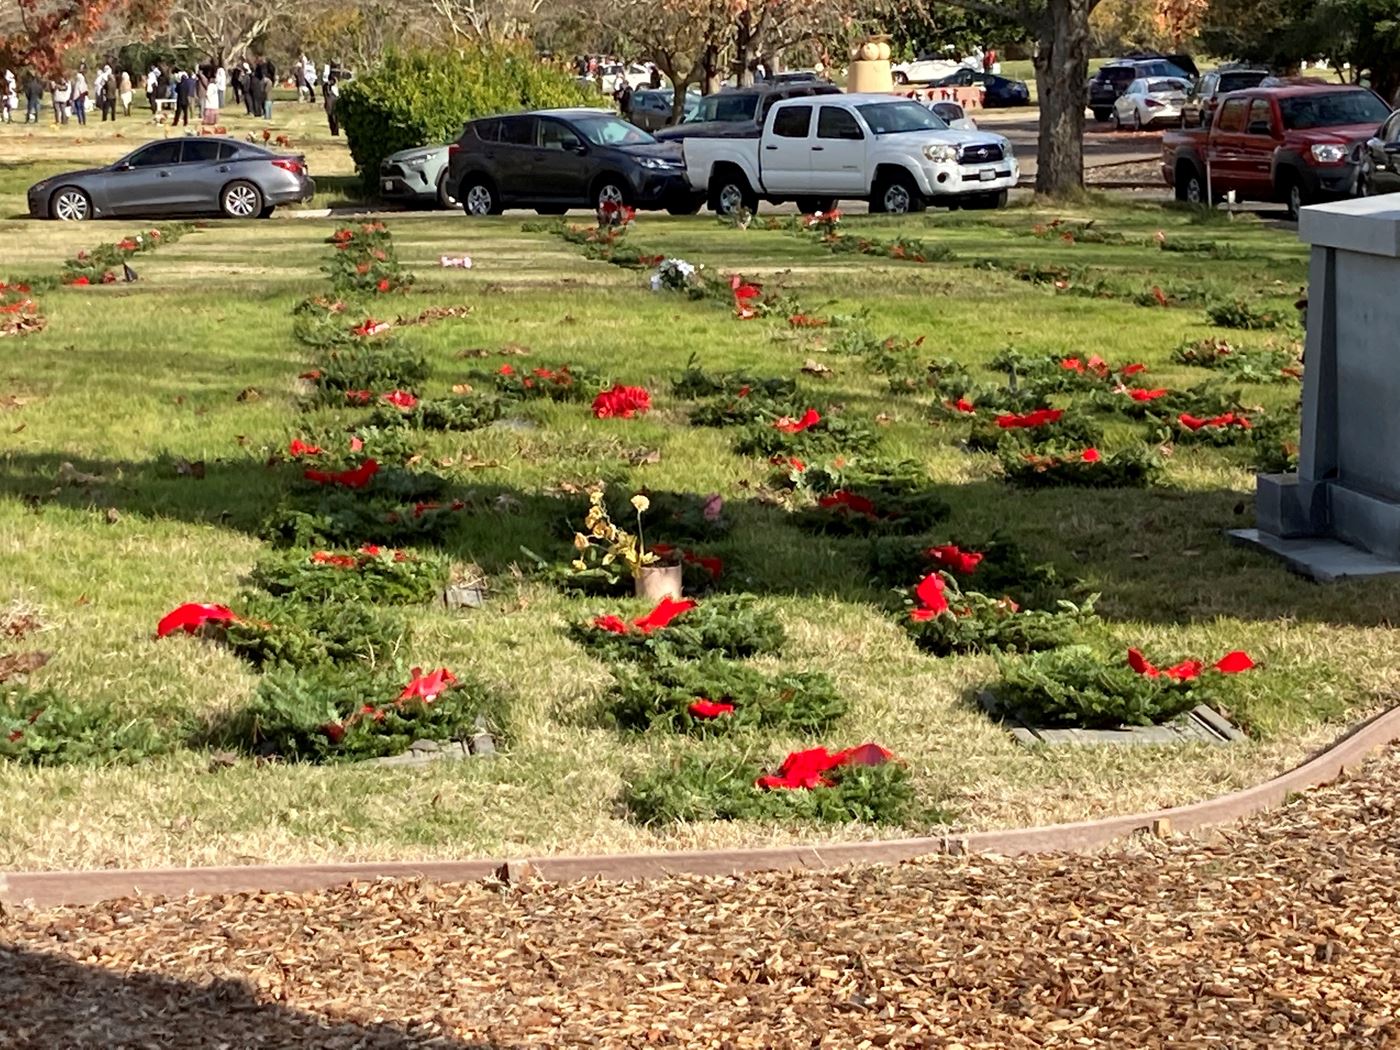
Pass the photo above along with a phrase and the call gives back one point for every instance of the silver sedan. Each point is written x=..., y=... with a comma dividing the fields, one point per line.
x=184, y=176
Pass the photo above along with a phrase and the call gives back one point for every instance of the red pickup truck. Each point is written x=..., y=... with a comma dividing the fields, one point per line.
x=1295, y=143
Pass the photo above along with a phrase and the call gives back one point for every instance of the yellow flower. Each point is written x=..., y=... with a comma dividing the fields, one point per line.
x=580, y=542
x=580, y=565
x=641, y=503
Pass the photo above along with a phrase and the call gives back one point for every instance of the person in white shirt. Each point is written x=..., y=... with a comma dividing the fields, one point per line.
x=80, y=94
x=124, y=92
x=9, y=97
x=152, y=80
x=220, y=84
x=62, y=94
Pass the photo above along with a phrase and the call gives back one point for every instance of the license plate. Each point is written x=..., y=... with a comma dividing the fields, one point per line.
x=987, y=174
x=388, y=184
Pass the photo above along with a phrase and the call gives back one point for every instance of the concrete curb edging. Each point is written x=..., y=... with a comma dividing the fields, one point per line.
x=50, y=889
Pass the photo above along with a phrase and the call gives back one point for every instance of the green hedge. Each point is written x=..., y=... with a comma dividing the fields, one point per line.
x=419, y=98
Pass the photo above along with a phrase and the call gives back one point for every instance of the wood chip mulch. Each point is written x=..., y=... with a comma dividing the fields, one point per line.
x=1283, y=933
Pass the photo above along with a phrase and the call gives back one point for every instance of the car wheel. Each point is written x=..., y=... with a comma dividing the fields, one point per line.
x=267, y=211
x=898, y=196
x=729, y=193
x=1102, y=114
x=1117, y=121
x=240, y=200
x=1365, y=187
x=1137, y=120
x=609, y=192
x=444, y=198
x=478, y=197
x=1296, y=198
x=689, y=206
x=812, y=205
x=70, y=204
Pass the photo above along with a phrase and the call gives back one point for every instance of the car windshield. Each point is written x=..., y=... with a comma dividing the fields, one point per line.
x=892, y=118
x=1239, y=81
x=727, y=109
x=1332, y=110
x=611, y=131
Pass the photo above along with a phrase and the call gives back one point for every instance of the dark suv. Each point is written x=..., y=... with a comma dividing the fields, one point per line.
x=558, y=159
x=740, y=112
x=1205, y=93
x=1113, y=77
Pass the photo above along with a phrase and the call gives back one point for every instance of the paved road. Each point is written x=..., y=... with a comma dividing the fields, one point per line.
x=1102, y=145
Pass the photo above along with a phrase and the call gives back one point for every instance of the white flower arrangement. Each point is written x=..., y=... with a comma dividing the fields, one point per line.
x=674, y=275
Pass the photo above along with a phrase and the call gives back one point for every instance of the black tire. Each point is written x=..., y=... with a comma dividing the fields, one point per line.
x=552, y=209
x=70, y=204
x=1117, y=121
x=1137, y=120
x=897, y=194
x=240, y=200
x=444, y=195
x=1101, y=114
x=812, y=205
x=1190, y=186
x=267, y=211
x=610, y=190
x=730, y=191
x=1365, y=180
x=478, y=197
x=986, y=201
x=1295, y=194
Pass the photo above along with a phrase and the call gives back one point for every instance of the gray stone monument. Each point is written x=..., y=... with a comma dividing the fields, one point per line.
x=1340, y=514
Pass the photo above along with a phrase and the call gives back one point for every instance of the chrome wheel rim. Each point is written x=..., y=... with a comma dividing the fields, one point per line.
x=241, y=201
x=479, y=200
x=731, y=199
x=1193, y=191
x=897, y=200
x=70, y=206
x=1295, y=199
x=610, y=194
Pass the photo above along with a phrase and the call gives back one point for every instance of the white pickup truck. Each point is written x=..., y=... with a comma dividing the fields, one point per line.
x=890, y=151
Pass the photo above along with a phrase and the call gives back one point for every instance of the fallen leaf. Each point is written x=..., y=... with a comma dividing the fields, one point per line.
x=12, y=665
x=515, y=350
x=884, y=419
x=249, y=393
x=644, y=457
x=113, y=516
x=815, y=368
x=461, y=388
x=71, y=475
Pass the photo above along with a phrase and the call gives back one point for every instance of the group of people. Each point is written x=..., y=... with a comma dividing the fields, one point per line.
x=201, y=91
x=70, y=96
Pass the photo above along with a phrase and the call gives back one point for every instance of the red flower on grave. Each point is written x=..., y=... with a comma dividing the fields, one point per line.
x=612, y=623
x=929, y=594
x=342, y=236
x=507, y=370
x=807, y=321
x=1140, y=395
x=1072, y=364
x=80, y=281
x=1090, y=455
x=339, y=561
x=808, y=769
x=1132, y=370
x=313, y=375
x=372, y=550
x=1235, y=662
x=851, y=502
x=703, y=708
x=357, y=478
x=299, y=448
x=955, y=559
x=665, y=612
x=621, y=402
x=427, y=687
x=1097, y=365
x=335, y=731
x=1039, y=418
x=401, y=399
x=191, y=616
x=371, y=327
x=357, y=443
x=383, y=285
x=788, y=425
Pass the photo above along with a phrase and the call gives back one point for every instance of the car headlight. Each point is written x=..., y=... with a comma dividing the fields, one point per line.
x=941, y=154
x=656, y=163
x=1329, y=154
x=1006, y=149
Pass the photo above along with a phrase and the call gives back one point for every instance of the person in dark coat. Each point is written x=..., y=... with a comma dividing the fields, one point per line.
x=33, y=98
x=330, y=93
x=184, y=92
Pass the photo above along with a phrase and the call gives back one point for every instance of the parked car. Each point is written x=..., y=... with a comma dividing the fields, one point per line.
x=953, y=115
x=1148, y=101
x=796, y=76
x=1379, y=160
x=651, y=108
x=739, y=111
x=615, y=74
x=924, y=69
x=178, y=176
x=1297, y=144
x=1205, y=94
x=416, y=176
x=557, y=159
x=1113, y=78
x=891, y=151
x=997, y=91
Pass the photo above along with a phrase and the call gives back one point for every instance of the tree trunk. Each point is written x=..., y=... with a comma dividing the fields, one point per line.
x=1061, y=70
x=743, y=49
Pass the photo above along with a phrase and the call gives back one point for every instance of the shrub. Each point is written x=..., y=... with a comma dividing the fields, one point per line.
x=45, y=728
x=1004, y=570
x=1071, y=428
x=662, y=696
x=369, y=574
x=972, y=622
x=723, y=789
x=330, y=713
x=695, y=383
x=830, y=434
x=417, y=97
x=730, y=626
x=1130, y=468
x=343, y=519
x=468, y=412
x=367, y=366
x=302, y=634
x=1075, y=687
x=876, y=506
x=1237, y=313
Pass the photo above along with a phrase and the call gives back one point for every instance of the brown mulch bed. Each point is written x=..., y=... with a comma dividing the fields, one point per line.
x=1282, y=933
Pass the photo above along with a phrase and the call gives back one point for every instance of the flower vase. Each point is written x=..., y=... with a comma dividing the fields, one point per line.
x=655, y=582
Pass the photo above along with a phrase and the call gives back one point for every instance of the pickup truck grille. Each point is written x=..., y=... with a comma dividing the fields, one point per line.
x=979, y=154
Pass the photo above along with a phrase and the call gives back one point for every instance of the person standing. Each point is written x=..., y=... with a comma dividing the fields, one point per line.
x=220, y=85
x=80, y=93
x=33, y=98
x=62, y=92
x=266, y=85
x=309, y=66
x=184, y=88
x=211, y=96
x=152, y=83
x=250, y=89
x=9, y=97
x=124, y=93
x=330, y=93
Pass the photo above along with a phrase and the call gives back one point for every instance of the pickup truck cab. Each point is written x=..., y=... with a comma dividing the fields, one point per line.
x=1296, y=143
x=887, y=150
x=740, y=111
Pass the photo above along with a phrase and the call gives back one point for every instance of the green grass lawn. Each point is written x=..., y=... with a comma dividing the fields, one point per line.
x=197, y=362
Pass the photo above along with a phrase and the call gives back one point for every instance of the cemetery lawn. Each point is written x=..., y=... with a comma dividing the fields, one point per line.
x=196, y=363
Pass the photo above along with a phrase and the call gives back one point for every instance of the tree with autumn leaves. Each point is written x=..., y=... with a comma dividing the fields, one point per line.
x=36, y=34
